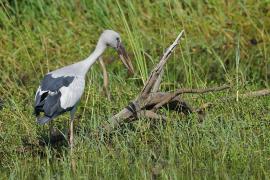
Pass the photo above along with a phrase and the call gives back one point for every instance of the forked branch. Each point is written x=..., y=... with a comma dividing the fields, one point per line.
x=150, y=100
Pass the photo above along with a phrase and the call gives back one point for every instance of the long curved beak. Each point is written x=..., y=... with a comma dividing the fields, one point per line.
x=124, y=58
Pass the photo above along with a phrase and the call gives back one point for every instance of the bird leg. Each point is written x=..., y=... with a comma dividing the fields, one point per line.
x=71, y=137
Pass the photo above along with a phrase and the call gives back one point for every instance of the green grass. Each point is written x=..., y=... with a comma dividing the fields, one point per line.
x=225, y=42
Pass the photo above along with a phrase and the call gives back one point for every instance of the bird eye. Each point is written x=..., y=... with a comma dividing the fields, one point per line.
x=117, y=39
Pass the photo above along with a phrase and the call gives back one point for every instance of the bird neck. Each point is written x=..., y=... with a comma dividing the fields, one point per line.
x=90, y=60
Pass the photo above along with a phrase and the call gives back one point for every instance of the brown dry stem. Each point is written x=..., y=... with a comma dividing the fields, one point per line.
x=105, y=78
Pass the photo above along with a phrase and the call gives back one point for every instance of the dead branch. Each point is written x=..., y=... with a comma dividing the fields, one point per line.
x=185, y=90
x=136, y=106
x=150, y=100
x=158, y=69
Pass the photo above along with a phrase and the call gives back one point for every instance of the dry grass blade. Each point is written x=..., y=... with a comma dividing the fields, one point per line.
x=105, y=78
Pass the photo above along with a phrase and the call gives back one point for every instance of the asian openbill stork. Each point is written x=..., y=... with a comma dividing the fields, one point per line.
x=61, y=89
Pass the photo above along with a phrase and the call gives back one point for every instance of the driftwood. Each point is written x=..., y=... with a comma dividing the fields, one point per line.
x=149, y=100
x=137, y=107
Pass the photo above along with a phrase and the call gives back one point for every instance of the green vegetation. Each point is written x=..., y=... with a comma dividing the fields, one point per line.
x=226, y=42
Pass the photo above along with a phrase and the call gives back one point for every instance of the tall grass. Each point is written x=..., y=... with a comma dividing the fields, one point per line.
x=225, y=42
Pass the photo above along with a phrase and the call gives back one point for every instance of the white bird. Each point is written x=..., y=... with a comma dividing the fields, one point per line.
x=61, y=89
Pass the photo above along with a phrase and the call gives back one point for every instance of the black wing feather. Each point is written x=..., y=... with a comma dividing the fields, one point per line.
x=54, y=84
x=49, y=101
x=52, y=104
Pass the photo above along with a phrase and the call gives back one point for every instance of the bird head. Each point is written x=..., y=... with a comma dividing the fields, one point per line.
x=113, y=39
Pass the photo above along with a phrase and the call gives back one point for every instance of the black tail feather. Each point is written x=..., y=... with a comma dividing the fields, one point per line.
x=43, y=120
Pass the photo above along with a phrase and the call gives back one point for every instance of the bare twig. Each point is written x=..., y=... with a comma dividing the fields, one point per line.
x=157, y=70
x=185, y=90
